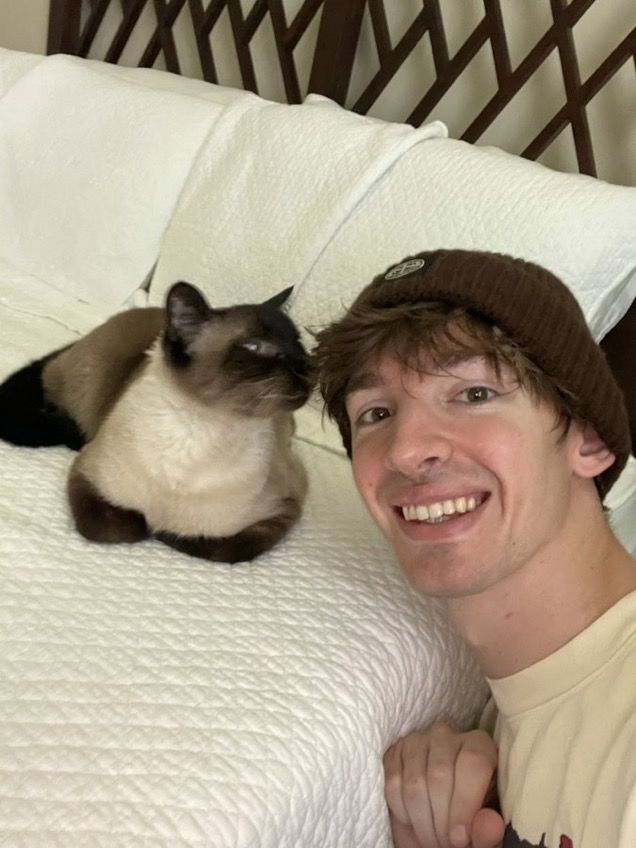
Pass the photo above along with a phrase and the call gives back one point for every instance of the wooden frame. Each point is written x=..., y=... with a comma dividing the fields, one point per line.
x=337, y=42
x=73, y=25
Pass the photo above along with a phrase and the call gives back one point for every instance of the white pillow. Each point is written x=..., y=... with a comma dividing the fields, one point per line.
x=451, y=194
x=91, y=166
x=13, y=65
x=270, y=187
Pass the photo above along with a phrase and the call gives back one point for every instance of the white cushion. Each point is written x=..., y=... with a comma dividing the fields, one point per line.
x=91, y=166
x=13, y=65
x=270, y=187
x=451, y=194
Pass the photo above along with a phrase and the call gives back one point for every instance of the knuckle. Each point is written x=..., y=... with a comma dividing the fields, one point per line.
x=483, y=742
x=440, y=729
x=390, y=758
x=392, y=787
x=414, y=788
x=474, y=762
x=439, y=774
x=481, y=737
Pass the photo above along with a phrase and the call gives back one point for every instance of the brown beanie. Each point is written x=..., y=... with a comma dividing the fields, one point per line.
x=537, y=311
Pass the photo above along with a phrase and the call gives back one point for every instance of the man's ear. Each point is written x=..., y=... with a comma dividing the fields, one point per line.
x=591, y=455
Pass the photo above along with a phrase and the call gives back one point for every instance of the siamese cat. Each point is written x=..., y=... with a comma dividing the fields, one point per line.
x=183, y=421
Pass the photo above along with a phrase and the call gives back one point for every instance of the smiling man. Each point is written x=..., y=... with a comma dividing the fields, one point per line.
x=485, y=428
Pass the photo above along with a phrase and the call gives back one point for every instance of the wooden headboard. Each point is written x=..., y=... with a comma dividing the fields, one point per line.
x=324, y=46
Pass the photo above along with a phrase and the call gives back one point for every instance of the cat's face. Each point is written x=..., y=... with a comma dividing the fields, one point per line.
x=248, y=357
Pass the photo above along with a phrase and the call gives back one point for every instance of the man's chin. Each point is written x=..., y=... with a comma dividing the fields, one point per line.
x=442, y=571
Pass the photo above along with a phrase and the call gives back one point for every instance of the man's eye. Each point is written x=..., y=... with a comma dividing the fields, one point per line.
x=477, y=394
x=373, y=415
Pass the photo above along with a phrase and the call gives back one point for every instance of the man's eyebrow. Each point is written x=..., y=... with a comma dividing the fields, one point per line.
x=362, y=380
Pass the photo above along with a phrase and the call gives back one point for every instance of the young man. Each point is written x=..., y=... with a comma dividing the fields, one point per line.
x=485, y=428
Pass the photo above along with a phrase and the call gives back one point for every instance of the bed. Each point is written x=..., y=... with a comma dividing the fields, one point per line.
x=150, y=699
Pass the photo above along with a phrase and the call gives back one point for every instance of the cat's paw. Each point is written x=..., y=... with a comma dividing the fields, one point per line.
x=100, y=521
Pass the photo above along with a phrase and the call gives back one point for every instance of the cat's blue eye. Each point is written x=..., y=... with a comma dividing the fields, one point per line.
x=261, y=347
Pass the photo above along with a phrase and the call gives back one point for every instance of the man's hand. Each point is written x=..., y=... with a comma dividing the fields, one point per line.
x=437, y=783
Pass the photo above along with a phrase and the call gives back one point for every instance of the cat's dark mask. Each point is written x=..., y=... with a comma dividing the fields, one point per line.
x=249, y=355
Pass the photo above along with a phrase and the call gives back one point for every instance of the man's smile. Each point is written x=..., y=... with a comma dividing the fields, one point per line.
x=440, y=510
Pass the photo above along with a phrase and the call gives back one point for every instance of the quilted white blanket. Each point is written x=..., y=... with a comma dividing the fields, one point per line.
x=150, y=699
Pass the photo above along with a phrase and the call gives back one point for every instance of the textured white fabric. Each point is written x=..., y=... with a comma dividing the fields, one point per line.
x=91, y=165
x=151, y=699
x=13, y=65
x=166, y=81
x=448, y=193
x=270, y=188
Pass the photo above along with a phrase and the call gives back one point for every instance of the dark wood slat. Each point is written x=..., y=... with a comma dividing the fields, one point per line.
x=201, y=35
x=520, y=76
x=336, y=46
x=589, y=89
x=153, y=49
x=446, y=80
x=439, y=45
x=254, y=18
x=64, y=26
x=89, y=31
x=166, y=37
x=399, y=54
x=246, y=66
x=298, y=27
x=285, y=57
x=498, y=42
x=213, y=12
x=124, y=30
x=380, y=27
x=572, y=82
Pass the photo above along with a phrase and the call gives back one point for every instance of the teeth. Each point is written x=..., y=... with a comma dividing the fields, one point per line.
x=436, y=512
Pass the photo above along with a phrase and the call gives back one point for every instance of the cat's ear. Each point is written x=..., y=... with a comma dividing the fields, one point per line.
x=277, y=301
x=186, y=311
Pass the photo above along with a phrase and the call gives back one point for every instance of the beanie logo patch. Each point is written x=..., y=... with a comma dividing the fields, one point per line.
x=410, y=266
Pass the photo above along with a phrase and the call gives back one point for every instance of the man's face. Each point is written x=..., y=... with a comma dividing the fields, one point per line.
x=463, y=471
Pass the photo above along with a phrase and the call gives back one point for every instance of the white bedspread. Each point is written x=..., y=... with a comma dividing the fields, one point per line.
x=150, y=699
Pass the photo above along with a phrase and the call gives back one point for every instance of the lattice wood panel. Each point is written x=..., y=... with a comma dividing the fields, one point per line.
x=360, y=56
x=76, y=25
x=558, y=40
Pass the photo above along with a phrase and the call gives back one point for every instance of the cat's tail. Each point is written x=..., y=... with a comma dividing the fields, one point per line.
x=27, y=418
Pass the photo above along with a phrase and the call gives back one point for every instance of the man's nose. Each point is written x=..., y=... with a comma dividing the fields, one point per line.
x=419, y=444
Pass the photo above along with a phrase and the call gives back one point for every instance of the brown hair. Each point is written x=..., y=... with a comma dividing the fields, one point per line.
x=535, y=323
x=440, y=333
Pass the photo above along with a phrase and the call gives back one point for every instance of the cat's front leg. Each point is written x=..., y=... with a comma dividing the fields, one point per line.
x=244, y=545
x=97, y=519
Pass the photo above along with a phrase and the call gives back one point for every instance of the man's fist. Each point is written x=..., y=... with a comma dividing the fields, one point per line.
x=438, y=784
